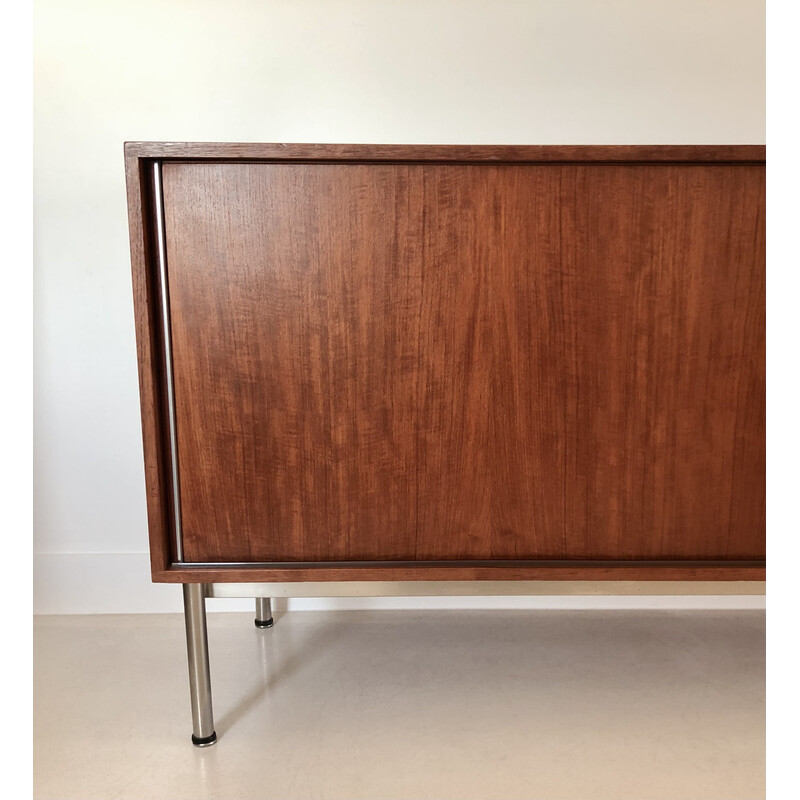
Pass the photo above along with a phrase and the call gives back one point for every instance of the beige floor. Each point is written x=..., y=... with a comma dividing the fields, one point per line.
x=435, y=704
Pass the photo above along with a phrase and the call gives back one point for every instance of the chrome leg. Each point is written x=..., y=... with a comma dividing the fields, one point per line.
x=263, y=613
x=194, y=606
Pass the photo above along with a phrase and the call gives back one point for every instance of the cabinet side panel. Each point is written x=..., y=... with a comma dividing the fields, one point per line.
x=145, y=302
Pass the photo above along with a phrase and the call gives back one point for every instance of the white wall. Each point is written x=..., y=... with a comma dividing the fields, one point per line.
x=429, y=71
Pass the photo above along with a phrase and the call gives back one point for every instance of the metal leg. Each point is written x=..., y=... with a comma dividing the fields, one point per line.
x=263, y=613
x=194, y=606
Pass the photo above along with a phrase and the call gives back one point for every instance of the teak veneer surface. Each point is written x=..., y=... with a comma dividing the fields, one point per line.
x=428, y=362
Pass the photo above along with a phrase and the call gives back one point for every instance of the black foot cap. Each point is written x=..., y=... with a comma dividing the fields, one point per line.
x=264, y=623
x=204, y=741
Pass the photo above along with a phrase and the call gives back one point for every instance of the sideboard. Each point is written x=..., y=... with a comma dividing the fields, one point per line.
x=368, y=368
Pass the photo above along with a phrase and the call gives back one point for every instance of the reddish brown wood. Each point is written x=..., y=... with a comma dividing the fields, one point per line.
x=629, y=397
x=574, y=571
x=448, y=153
x=148, y=337
x=485, y=361
x=431, y=362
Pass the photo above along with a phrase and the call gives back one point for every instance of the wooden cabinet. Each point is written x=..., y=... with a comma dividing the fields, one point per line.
x=469, y=362
x=380, y=363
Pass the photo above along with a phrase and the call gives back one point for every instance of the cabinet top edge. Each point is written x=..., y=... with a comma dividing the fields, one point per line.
x=498, y=154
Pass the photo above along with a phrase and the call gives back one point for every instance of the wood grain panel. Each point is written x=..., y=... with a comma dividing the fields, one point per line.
x=296, y=342
x=630, y=398
x=453, y=365
x=666, y=269
x=393, y=362
x=532, y=413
